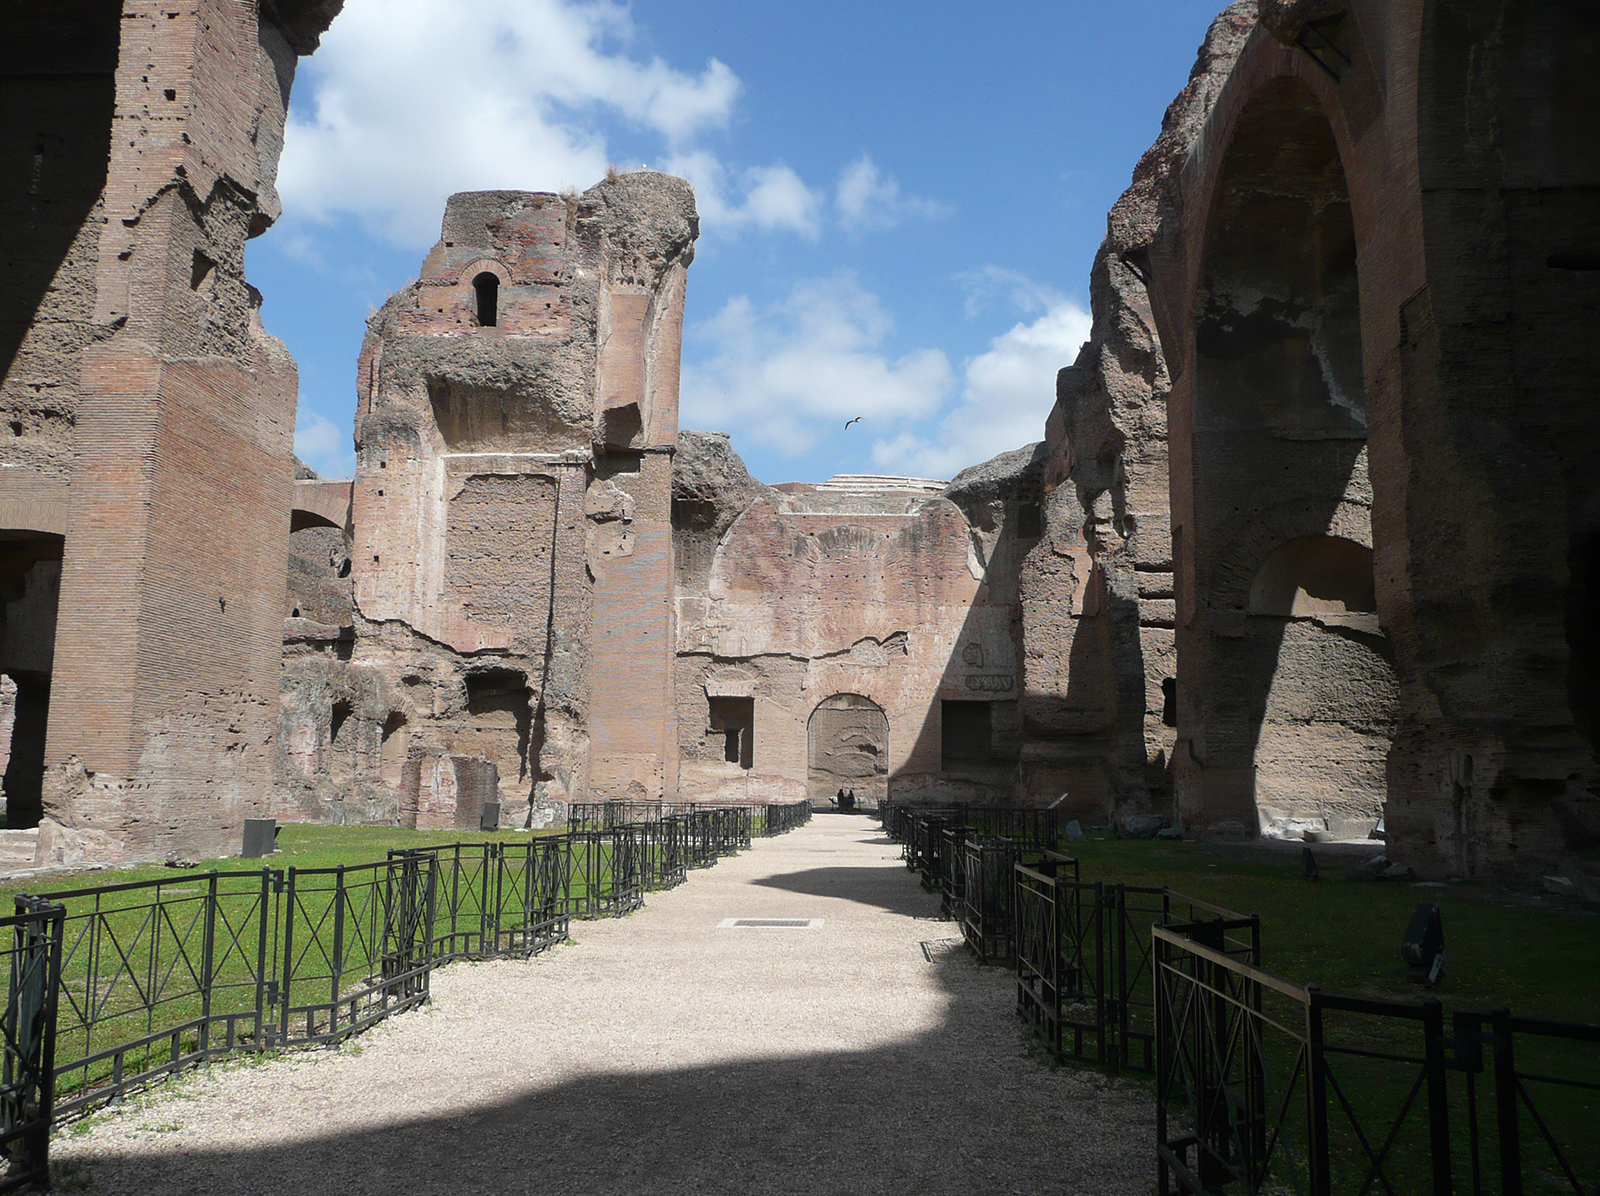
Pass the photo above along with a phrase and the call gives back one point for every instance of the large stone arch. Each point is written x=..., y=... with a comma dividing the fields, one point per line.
x=1287, y=715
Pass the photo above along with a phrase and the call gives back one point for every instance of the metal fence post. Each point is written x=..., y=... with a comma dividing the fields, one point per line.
x=1317, y=1162
x=1505, y=1101
x=208, y=963
x=33, y=988
x=1438, y=1096
x=1100, y=969
x=264, y=969
x=1164, y=1049
x=337, y=968
x=286, y=986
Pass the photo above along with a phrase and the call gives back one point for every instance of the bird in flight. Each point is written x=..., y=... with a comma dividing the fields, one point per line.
x=856, y=420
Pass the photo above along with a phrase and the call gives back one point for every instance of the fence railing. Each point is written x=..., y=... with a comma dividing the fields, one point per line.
x=1084, y=956
x=1267, y=1085
x=763, y=819
x=32, y=943
x=986, y=910
x=114, y=986
x=1264, y=1085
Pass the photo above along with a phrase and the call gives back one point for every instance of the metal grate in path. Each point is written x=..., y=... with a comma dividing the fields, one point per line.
x=771, y=924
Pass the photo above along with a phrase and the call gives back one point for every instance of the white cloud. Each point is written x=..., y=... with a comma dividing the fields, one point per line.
x=990, y=283
x=766, y=198
x=793, y=372
x=867, y=198
x=323, y=445
x=409, y=100
x=1006, y=395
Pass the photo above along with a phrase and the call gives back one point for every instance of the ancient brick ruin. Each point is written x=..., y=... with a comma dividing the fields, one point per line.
x=149, y=418
x=1312, y=538
x=504, y=627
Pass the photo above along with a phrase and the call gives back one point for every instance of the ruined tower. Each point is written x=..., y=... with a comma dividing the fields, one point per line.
x=512, y=554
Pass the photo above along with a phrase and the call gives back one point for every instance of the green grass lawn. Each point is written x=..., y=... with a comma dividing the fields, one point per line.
x=1345, y=935
x=300, y=845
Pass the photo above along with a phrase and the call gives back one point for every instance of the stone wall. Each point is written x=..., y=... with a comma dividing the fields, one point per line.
x=846, y=615
x=511, y=557
x=1369, y=282
x=1099, y=668
x=147, y=415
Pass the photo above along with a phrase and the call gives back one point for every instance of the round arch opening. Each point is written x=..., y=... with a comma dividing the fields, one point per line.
x=847, y=747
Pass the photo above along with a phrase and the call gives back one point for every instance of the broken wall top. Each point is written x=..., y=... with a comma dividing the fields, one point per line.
x=581, y=349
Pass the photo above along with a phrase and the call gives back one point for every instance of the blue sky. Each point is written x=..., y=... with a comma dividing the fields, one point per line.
x=899, y=202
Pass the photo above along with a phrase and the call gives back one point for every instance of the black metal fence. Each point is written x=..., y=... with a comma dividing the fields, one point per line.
x=986, y=909
x=113, y=986
x=921, y=832
x=32, y=944
x=1267, y=1085
x=1263, y=1085
x=1084, y=959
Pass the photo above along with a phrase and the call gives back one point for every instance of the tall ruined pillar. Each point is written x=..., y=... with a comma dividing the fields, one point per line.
x=177, y=419
x=633, y=730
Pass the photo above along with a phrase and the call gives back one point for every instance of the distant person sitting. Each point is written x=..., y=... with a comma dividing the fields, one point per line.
x=847, y=801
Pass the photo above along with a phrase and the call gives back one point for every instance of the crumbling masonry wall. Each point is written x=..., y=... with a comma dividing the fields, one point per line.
x=1373, y=284
x=147, y=417
x=844, y=615
x=1099, y=659
x=511, y=559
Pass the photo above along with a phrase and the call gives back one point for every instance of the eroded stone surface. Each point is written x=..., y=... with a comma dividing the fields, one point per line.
x=511, y=573
x=847, y=617
x=146, y=417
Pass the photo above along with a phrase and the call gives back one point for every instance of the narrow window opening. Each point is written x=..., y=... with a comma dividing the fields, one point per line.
x=341, y=712
x=392, y=749
x=735, y=720
x=487, y=287
x=201, y=272
x=1169, y=701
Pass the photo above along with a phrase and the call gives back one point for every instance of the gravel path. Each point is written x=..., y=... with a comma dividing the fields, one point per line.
x=662, y=1053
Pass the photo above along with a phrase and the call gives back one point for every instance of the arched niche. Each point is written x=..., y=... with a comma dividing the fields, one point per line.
x=1298, y=701
x=847, y=746
x=1277, y=325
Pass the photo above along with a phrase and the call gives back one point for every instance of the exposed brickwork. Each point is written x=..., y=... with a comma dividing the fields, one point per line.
x=142, y=377
x=511, y=560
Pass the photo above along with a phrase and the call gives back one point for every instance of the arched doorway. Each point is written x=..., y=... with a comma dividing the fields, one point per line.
x=847, y=746
x=1291, y=698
